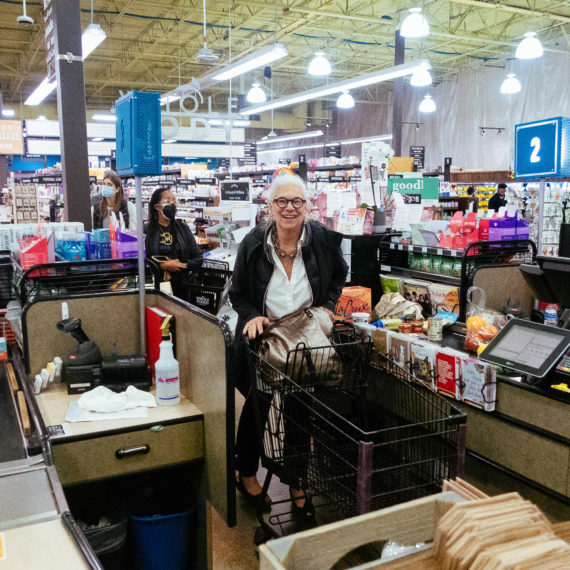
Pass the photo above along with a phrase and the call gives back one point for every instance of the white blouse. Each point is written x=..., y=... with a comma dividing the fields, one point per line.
x=284, y=295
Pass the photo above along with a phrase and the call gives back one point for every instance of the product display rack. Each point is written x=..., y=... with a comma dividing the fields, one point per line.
x=393, y=258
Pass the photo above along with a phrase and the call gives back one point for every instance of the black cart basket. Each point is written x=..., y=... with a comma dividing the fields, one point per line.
x=353, y=434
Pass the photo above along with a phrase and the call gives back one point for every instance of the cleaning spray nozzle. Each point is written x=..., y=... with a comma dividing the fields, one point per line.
x=165, y=328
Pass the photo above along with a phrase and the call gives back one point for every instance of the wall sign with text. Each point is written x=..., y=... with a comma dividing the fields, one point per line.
x=235, y=191
x=427, y=188
x=542, y=148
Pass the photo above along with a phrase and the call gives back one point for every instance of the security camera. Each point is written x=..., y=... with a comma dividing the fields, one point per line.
x=25, y=20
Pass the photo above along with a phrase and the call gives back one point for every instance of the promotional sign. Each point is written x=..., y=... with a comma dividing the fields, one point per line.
x=542, y=148
x=235, y=191
x=427, y=188
x=332, y=151
x=11, y=139
x=418, y=153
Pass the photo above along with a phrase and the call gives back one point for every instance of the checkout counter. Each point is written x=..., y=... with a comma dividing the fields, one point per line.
x=195, y=436
x=528, y=434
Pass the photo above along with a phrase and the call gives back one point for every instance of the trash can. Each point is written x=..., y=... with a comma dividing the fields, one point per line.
x=160, y=542
x=103, y=518
x=162, y=526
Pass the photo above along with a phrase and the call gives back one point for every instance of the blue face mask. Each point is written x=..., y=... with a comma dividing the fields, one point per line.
x=107, y=191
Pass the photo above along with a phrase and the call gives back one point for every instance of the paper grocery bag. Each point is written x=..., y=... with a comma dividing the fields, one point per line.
x=353, y=300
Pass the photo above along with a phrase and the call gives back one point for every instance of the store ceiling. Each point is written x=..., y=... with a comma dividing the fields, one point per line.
x=152, y=44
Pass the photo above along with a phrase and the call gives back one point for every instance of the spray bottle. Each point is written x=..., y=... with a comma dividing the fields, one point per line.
x=167, y=370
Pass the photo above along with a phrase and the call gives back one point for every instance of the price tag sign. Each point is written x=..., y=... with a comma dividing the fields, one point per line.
x=424, y=249
x=439, y=251
x=541, y=148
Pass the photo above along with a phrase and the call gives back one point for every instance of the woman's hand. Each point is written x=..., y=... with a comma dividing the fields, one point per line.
x=172, y=265
x=254, y=326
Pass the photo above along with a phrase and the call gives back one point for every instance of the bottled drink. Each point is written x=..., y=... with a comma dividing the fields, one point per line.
x=551, y=316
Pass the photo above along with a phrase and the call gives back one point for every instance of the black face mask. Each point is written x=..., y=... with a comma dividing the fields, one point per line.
x=169, y=211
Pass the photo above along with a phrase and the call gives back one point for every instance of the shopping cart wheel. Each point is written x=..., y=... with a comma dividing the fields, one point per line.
x=261, y=535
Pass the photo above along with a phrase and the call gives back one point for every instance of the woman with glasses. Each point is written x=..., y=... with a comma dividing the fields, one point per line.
x=170, y=242
x=112, y=199
x=282, y=265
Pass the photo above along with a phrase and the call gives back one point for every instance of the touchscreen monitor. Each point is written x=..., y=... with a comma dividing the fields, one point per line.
x=527, y=347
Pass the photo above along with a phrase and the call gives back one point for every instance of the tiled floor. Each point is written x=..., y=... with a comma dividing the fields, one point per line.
x=233, y=548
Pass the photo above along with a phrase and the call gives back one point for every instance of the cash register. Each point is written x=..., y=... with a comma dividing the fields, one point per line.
x=539, y=353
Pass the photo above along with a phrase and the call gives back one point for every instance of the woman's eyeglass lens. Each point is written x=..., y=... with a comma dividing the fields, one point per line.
x=296, y=202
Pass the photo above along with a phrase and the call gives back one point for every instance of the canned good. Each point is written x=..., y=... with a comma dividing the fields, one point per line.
x=406, y=326
x=417, y=326
x=435, y=329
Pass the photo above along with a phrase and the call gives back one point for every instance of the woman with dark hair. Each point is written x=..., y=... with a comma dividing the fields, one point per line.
x=171, y=241
x=112, y=199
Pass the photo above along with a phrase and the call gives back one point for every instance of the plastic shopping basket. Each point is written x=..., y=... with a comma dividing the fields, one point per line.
x=209, y=285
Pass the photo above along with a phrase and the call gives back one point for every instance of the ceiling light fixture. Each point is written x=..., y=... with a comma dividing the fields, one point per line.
x=308, y=146
x=256, y=94
x=8, y=112
x=44, y=89
x=41, y=118
x=236, y=123
x=530, y=47
x=106, y=118
x=348, y=84
x=510, y=85
x=169, y=141
x=319, y=64
x=414, y=25
x=92, y=36
x=168, y=99
x=421, y=78
x=345, y=101
x=427, y=105
x=97, y=139
x=260, y=58
x=306, y=135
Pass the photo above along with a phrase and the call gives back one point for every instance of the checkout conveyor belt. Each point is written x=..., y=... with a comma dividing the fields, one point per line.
x=13, y=444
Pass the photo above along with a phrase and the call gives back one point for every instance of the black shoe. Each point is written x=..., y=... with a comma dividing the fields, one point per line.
x=306, y=513
x=251, y=499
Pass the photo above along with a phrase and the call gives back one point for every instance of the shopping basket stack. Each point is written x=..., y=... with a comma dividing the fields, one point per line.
x=355, y=438
x=209, y=285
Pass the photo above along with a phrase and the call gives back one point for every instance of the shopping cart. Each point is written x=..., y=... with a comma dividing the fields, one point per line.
x=368, y=441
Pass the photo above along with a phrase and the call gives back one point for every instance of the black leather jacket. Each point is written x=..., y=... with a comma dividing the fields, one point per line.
x=326, y=271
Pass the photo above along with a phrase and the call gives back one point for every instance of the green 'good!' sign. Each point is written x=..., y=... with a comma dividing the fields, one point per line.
x=427, y=188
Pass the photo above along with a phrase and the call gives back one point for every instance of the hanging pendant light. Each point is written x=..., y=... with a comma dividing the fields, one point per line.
x=427, y=105
x=319, y=64
x=421, y=78
x=530, y=47
x=345, y=101
x=414, y=25
x=256, y=94
x=510, y=85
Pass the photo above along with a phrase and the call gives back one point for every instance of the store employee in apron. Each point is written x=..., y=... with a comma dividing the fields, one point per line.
x=170, y=242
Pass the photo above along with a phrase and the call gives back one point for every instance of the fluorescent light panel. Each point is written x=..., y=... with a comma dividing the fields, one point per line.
x=258, y=59
x=107, y=118
x=348, y=84
x=91, y=38
x=348, y=141
x=8, y=112
x=44, y=89
x=235, y=123
x=306, y=135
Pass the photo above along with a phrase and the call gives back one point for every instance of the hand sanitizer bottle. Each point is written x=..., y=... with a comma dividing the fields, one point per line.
x=167, y=370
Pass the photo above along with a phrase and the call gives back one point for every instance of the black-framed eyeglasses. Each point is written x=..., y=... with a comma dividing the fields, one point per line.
x=295, y=202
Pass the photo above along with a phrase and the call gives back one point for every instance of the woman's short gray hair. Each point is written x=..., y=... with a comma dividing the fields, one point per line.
x=287, y=180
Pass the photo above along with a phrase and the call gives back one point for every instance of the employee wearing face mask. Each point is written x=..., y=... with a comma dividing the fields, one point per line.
x=112, y=199
x=171, y=239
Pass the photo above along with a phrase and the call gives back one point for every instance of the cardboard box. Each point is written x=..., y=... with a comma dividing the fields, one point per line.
x=322, y=547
